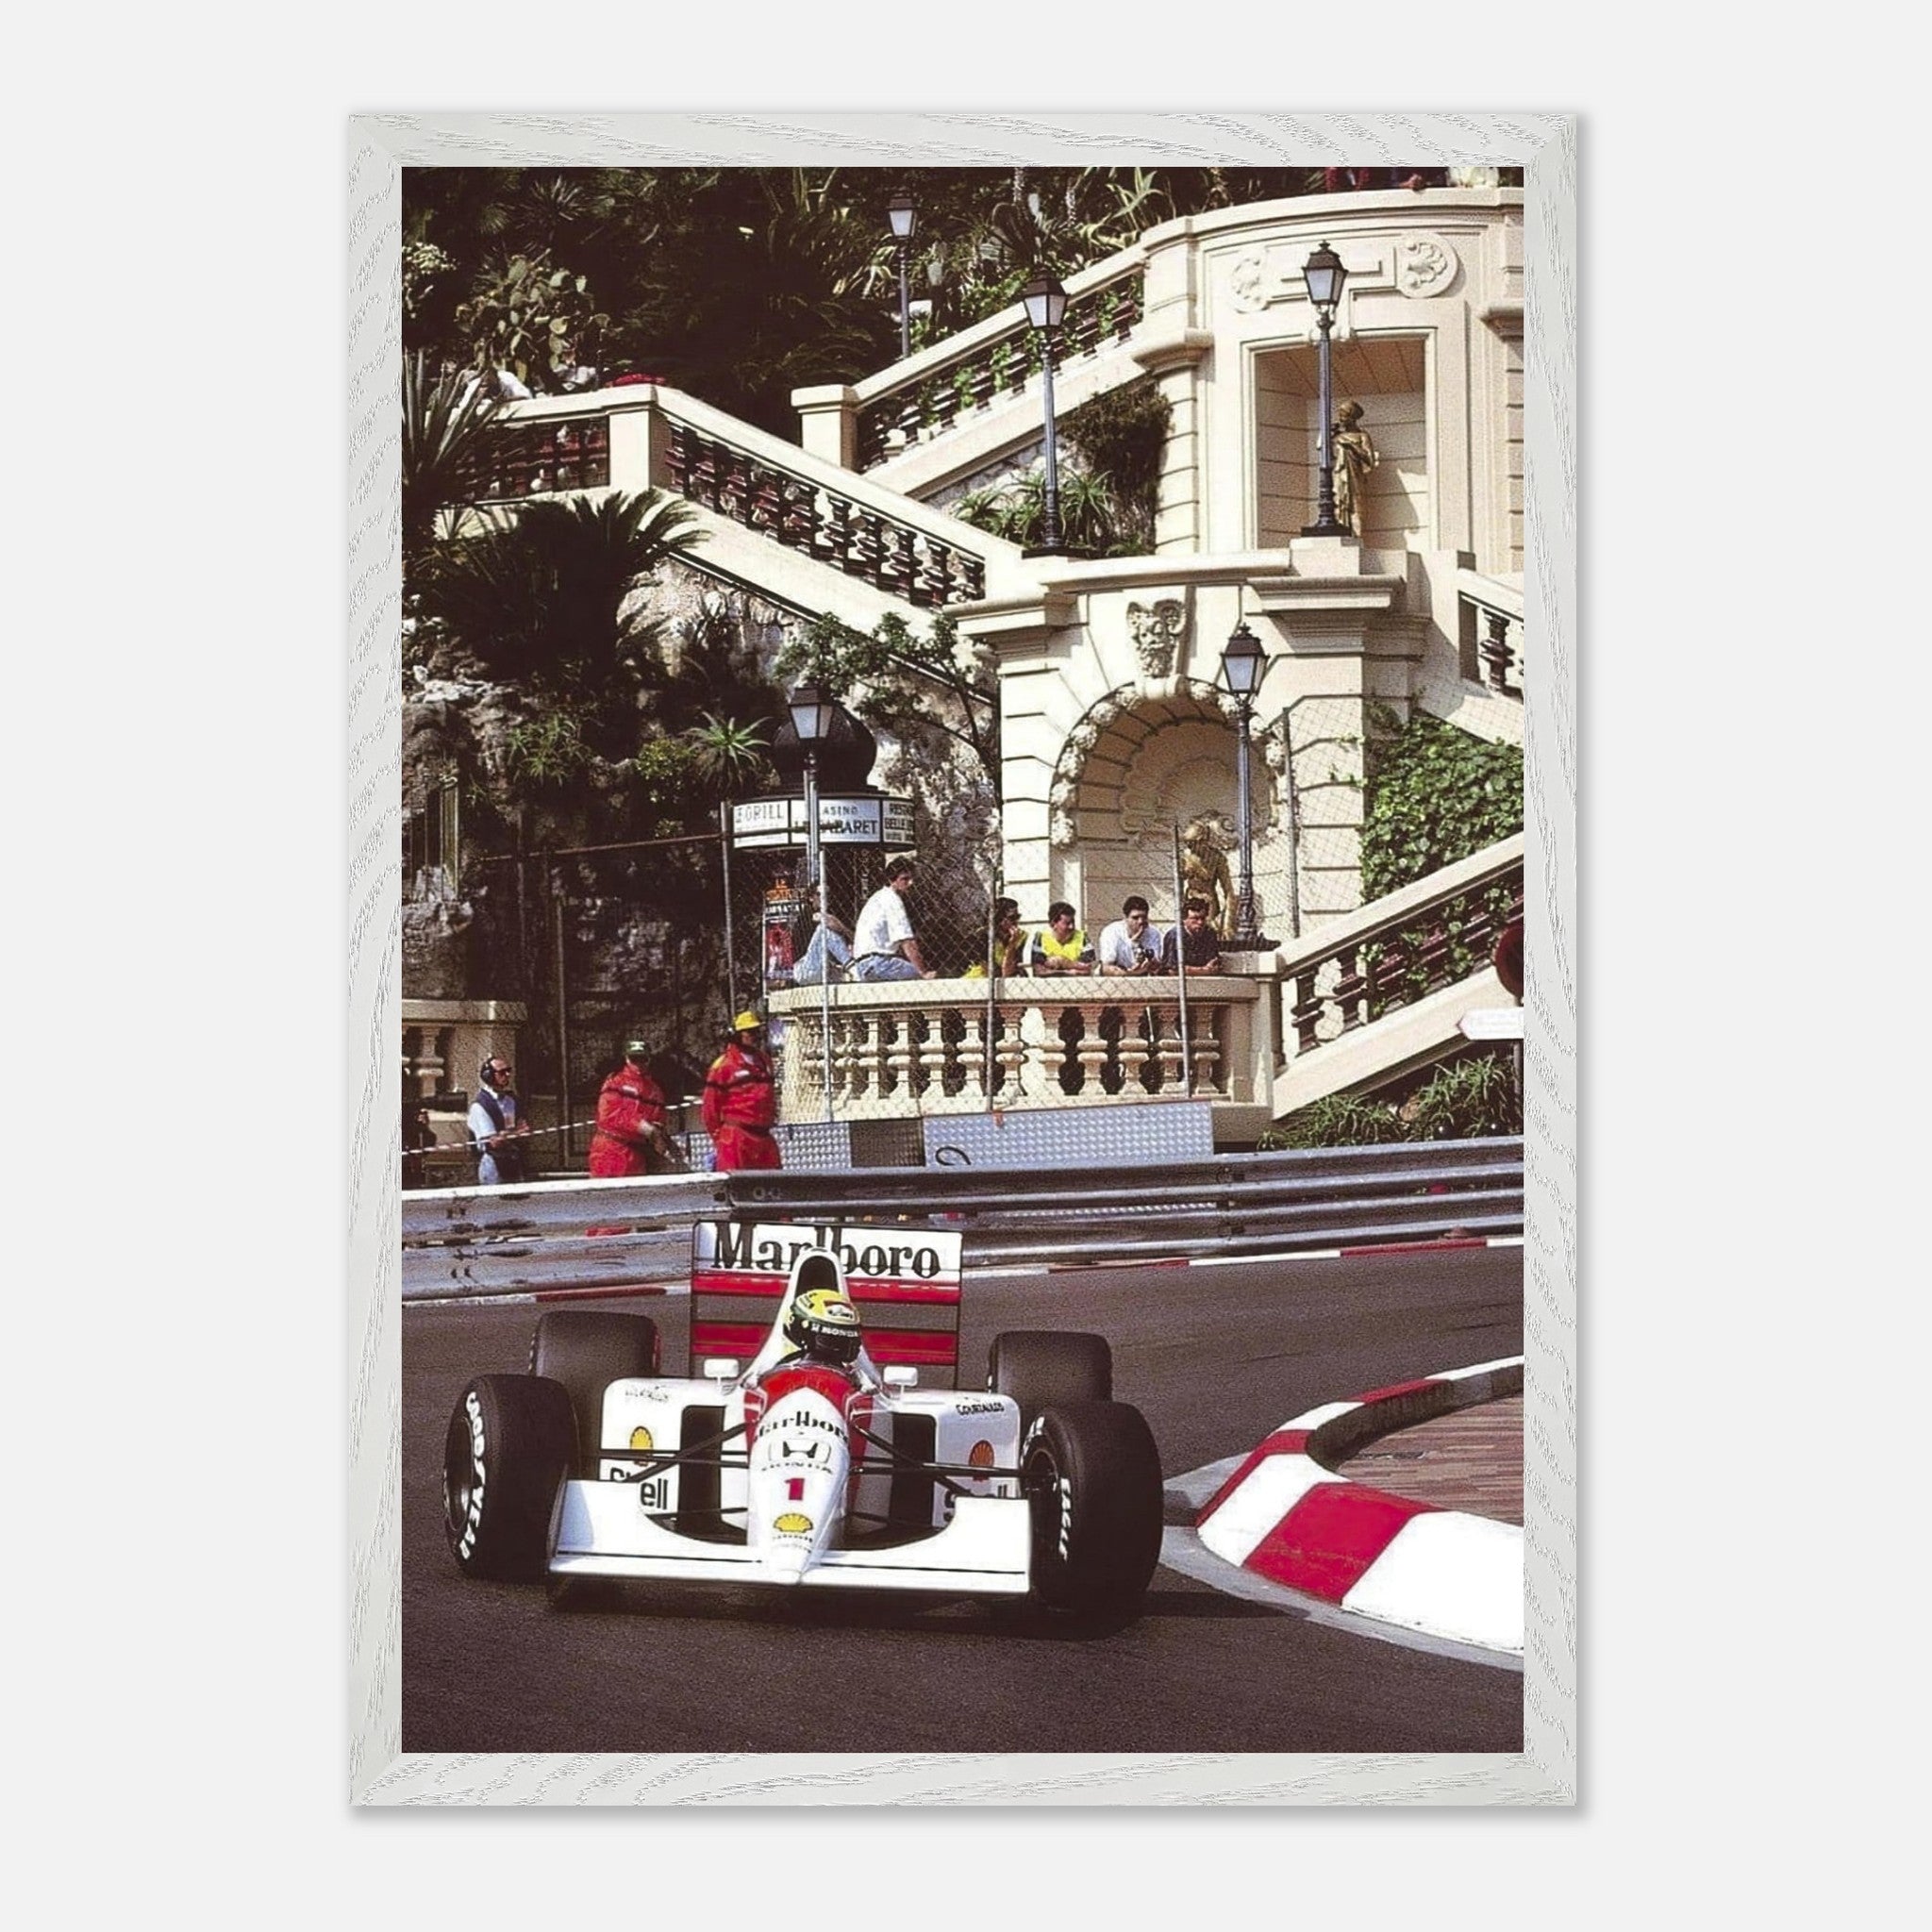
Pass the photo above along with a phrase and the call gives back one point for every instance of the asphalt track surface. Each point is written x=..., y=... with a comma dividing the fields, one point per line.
x=1215, y=1357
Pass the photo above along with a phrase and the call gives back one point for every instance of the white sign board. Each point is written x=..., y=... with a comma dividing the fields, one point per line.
x=858, y=819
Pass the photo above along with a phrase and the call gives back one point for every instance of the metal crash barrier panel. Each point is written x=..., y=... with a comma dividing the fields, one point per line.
x=590, y=1236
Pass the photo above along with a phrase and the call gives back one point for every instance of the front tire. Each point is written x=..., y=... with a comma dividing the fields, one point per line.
x=586, y=1350
x=506, y=1456
x=1040, y=1367
x=1091, y=1477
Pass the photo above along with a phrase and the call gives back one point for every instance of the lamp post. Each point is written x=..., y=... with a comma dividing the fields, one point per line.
x=813, y=707
x=1325, y=275
x=1243, y=669
x=904, y=220
x=1046, y=307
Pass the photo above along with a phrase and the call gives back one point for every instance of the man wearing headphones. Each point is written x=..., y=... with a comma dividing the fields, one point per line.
x=496, y=1130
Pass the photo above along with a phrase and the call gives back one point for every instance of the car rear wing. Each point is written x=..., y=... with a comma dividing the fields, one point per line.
x=903, y=1281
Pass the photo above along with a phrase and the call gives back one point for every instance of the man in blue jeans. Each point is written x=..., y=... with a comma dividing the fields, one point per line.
x=883, y=944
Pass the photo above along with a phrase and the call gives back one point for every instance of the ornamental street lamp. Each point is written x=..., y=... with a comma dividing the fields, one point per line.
x=904, y=220
x=1046, y=307
x=813, y=707
x=1242, y=668
x=1325, y=275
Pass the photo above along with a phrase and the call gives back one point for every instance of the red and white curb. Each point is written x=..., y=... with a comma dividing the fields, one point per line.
x=1285, y=1515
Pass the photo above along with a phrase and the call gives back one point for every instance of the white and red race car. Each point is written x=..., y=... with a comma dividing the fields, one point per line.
x=820, y=1462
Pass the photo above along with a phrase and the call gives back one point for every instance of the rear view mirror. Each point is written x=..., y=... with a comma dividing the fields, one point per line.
x=720, y=1367
x=901, y=1375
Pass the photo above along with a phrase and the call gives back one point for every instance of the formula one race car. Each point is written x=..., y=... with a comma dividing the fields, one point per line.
x=822, y=1463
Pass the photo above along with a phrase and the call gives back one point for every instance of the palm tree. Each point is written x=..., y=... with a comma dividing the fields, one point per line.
x=446, y=421
x=546, y=598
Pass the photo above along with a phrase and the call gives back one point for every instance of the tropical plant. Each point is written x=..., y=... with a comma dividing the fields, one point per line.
x=730, y=754
x=1121, y=438
x=546, y=598
x=446, y=418
x=1475, y=1097
x=547, y=751
x=1017, y=512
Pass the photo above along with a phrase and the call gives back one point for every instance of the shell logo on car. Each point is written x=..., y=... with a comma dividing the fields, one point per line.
x=641, y=1438
x=793, y=1523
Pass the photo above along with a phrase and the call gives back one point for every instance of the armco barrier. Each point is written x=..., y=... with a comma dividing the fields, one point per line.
x=464, y=1241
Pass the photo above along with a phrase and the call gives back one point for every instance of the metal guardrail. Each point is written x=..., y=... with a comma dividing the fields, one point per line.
x=469, y=1241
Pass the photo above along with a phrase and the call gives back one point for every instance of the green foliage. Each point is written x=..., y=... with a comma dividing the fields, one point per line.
x=1338, y=1120
x=1107, y=500
x=740, y=284
x=1120, y=438
x=1473, y=1098
x=920, y=688
x=548, y=751
x=545, y=599
x=1016, y=511
x=1435, y=795
x=445, y=421
x=531, y=318
x=729, y=755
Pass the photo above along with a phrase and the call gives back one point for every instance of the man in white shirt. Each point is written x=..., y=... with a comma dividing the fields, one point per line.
x=496, y=1130
x=883, y=944
x=1130, y=945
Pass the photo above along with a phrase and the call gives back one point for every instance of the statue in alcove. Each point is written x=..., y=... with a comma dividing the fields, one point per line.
x=1355, y=457
x=1205, y=845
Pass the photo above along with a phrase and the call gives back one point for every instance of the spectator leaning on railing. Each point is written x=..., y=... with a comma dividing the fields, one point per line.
x=1059, y=946
x=1193, y=945
x=1130, y=945
x=883, y=944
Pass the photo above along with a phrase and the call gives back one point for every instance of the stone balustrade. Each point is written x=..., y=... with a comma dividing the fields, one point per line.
x=1491, y=632
x=980, y=367
x=1401, y=949
x=913, y=1047
x=654, y=437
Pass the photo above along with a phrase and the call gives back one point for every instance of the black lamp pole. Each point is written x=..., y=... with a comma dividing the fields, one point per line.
x=904, y=220
x=1325, y=276
x=812, y=707
x=1242, y=668
x=1046, y=307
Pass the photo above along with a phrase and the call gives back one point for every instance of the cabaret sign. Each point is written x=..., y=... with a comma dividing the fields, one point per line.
x=853, y=818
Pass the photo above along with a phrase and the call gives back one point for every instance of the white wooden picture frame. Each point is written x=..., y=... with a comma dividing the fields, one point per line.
x=1546, y=146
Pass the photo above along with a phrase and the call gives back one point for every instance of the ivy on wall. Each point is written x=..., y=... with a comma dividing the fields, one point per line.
x=1435, y=795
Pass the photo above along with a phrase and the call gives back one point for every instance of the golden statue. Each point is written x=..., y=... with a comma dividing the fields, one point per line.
x=1204, y=869
x=1355, y=457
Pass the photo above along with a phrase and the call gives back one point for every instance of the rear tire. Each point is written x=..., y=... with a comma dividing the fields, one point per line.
x=1091, y=1477
x=505, y=1458
x=1038, y=1366
x=586, y=1350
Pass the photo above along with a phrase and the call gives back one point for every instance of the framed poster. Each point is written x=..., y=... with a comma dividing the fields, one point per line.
x=453, y=1699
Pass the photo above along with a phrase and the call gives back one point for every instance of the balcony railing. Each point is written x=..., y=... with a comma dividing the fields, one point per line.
x=911, y=1047
x=536, y=458
x=822, y=523
x=998, y=361
x=1491, y=630
x=1401, y=949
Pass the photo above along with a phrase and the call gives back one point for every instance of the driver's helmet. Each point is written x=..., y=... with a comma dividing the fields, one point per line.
x=824, y=1326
